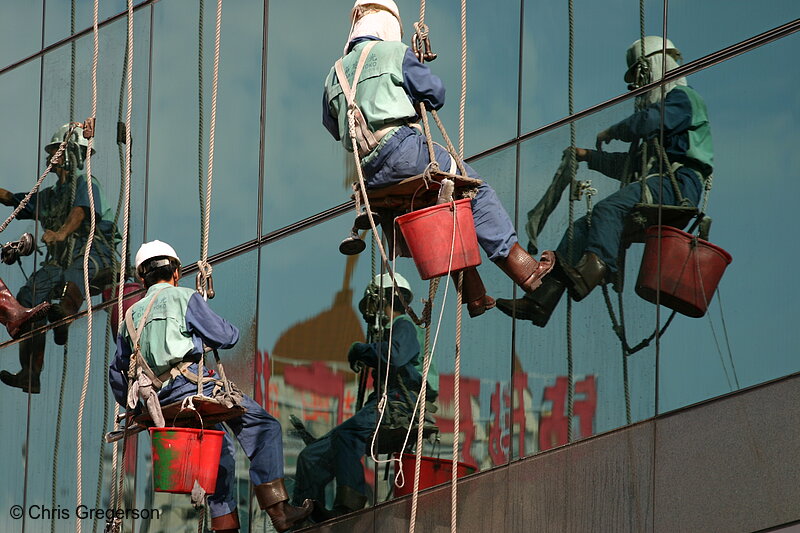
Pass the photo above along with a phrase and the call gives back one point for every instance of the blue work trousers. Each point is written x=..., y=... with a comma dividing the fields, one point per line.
x=49, y=278
x=608, y=216
x=337, y=455
x=258, y=432
x=405, y=154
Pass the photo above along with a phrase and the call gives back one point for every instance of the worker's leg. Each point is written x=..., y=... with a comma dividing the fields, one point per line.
x=223, y=501
x=314, y=471
x=349, y=441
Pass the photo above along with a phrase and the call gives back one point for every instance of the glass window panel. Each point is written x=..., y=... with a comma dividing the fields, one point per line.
x=700, y=28
x=748, y=338
x=20, y=30
x=603, y=31
x=59, y=14
x=599, y=386
x=173, y=164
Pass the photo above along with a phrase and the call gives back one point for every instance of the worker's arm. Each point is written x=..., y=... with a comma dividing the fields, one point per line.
x=612, y=164
x=118, y=371
x=646, y=123
x=6, y=197
x=405, y=347
x=420, y=83
x=207, y=326
x=73, y=222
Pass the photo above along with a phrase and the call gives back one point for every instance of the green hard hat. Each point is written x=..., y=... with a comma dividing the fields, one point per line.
x=76, y=137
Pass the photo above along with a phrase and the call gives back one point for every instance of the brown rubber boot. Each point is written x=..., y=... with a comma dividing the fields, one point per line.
x=473, y=292
x=536, y=307
x=227, y=523
x=31, y=359
x=273, y=498
x=70, y=300
x=13, y=315
x=585, y=276
x=524, y=270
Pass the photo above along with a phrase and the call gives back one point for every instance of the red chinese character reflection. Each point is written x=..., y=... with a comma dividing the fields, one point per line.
x=469, y=388
x=553, y=427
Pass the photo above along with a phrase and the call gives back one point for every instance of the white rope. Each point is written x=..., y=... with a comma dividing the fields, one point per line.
x=116, y=500
x=86, y=252
x=203, y=263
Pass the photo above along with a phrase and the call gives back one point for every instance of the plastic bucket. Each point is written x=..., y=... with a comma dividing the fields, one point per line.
x=126, y=302
x=183, y=455
x=690, y=270
x=432, y=472
x=429, y=235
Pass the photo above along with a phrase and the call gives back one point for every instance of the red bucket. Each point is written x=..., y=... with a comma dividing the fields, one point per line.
x=432, y=472
x=690, y=270
x=429, y=235
x=183, y=455
x=126, y=302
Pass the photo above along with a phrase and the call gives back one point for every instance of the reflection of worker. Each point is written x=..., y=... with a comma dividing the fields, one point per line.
x=177, y=324
x=391, y=85
x=337, y=455
x=63, y=210
x=687, y=142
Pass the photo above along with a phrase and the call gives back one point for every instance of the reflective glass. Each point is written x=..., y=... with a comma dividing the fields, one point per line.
x=59, y=14
x=746, y=336
x=603, y=31
x=174, y=172
x=20, y=30
x=602, y=397
x=700, y=28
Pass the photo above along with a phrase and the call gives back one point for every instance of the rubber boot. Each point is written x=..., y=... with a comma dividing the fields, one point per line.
x=536, y=307
x=585, y=276
x=70, y=300
x=227, y=523
x=273, y=498
x=13, y=315
x=473, y=292
x=31, y=359
x=347, y=500
x=524, y=270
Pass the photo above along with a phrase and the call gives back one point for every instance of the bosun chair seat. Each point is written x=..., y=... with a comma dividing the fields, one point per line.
x=643, y=216
x=211, y=411
x=411, y=194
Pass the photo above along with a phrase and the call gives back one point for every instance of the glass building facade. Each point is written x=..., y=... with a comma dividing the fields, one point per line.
x=281, y=205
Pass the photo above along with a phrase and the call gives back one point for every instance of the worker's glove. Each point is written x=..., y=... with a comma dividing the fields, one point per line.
x=354, y=357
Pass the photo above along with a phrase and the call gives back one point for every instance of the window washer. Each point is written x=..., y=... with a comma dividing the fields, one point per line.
x=337, y=455
x=177, y=328
x=687, y=143
x=392, y=84
x=65, y=222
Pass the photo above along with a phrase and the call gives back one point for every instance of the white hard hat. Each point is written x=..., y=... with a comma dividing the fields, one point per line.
x=388, y=5
x=652, y=45
x=384, y=281
x=152, y=249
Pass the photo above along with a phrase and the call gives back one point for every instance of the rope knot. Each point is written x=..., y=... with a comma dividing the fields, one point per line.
x=421, y=43
x=204, y=283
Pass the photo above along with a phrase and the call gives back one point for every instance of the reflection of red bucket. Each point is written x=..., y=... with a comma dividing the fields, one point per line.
x=183, y=455
x=126, y=302
x=429, y=235
x=690, y=270
x=432, y=472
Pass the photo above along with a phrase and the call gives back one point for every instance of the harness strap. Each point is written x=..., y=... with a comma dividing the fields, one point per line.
x=365, y=139
x=135, y=334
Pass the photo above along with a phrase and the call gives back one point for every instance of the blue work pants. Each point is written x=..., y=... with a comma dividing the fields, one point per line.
x=608, y=216
x=405, y=154
x=258, y=433
x=336, y=455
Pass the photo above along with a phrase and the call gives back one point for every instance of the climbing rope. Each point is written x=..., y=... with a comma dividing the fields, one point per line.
x=117, y=484
x=87, y=251
x=204, y=282
x=200, y=105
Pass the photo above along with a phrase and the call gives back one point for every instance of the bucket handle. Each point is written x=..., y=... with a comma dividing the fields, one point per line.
x=188, y=405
